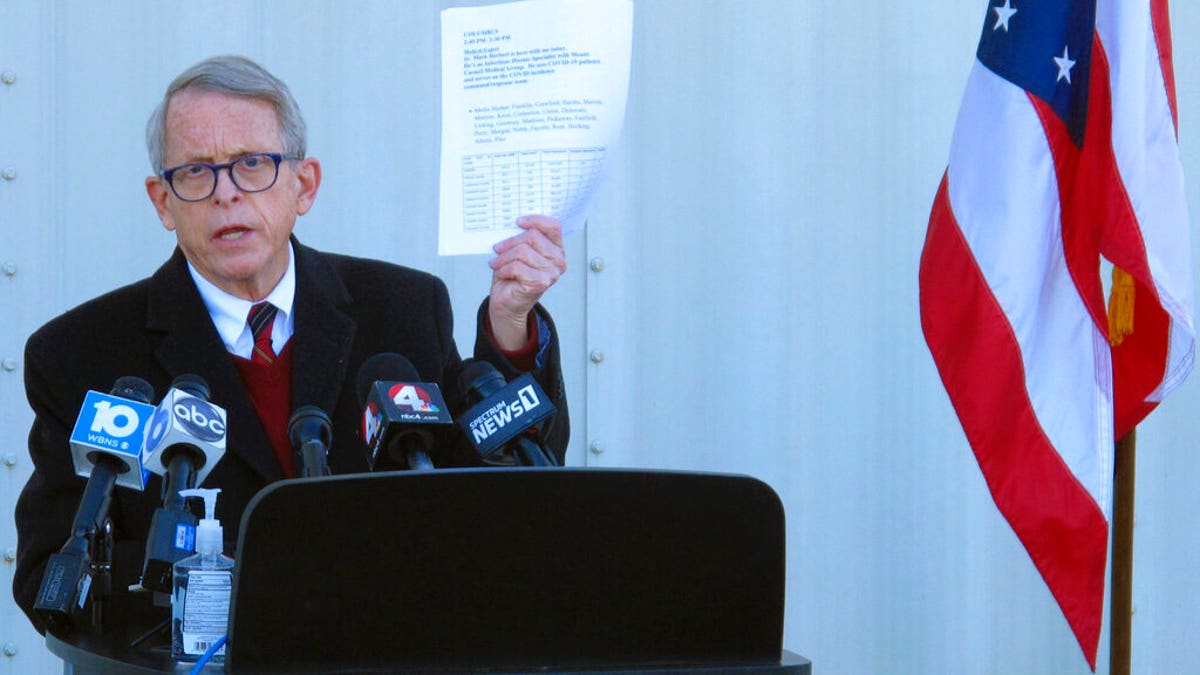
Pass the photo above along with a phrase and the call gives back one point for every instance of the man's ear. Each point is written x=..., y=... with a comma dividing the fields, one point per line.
x=308, y=175
x=158, y=191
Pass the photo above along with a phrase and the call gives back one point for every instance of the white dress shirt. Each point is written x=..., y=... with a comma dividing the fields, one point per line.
x=229, y=312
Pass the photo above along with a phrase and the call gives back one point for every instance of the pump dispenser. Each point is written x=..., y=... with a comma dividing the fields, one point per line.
x=203, y=585
x=209, y=534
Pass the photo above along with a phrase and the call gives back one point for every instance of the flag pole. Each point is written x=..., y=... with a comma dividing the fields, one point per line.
x=1121, y=592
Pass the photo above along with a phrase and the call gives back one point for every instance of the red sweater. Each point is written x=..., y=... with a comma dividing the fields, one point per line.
x=270, y=389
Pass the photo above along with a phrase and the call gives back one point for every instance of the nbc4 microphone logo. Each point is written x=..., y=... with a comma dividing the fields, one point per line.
x=400, y=403
x=371, y=422
x=411, y=398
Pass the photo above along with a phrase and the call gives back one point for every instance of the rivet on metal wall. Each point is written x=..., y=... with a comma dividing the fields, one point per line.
x=8, y=77
x=10, y=554
x=596, y=447
x=9, y=364
x=596, y=264
x=10, y=460
x=596, y=356
x=9, y=173
x=10, y=269
x=10, y=649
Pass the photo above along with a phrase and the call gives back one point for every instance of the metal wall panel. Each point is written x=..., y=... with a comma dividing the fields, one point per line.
x=780, y=160
x=29, y=246
x=754, y=296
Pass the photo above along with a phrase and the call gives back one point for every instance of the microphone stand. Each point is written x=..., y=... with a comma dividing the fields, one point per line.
x=161, y=553
x=310, y=432
x=312, y=458
x=180, y=473
x=58, y=596
x=102, y=545
x=530, y=453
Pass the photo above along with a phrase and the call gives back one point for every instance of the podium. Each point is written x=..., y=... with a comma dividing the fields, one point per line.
x=511, y=570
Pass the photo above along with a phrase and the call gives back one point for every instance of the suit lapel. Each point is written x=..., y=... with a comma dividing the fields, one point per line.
x=191, y=345
x=324, y=332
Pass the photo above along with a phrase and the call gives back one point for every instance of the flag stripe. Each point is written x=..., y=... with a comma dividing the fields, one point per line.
x=1052, y=514
x=1001, y=172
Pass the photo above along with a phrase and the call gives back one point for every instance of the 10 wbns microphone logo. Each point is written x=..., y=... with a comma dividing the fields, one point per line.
x=115, y=426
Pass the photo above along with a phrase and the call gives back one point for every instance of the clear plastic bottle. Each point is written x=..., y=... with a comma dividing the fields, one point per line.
x=203, y=584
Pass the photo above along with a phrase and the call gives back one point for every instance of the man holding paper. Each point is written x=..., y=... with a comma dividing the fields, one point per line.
x=269, y=323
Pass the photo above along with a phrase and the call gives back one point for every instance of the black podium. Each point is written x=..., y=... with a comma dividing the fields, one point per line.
x=510, y=570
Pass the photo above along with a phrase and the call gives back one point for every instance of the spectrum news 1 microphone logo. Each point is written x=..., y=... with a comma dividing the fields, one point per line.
x=409, y=402
x=114, y=426
x=499, y=418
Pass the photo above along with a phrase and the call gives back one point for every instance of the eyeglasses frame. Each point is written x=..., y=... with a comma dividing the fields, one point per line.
x=276, y=157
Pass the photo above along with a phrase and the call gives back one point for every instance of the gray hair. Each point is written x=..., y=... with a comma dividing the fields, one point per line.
x=233, y=76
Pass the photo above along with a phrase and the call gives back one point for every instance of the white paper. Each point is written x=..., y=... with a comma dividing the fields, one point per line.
x=533, y=96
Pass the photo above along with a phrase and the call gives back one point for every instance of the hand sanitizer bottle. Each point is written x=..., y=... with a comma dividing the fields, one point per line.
x=203, y=584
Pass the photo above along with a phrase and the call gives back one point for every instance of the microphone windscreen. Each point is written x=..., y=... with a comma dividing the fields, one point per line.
x=133, y=388
x=310, y=422
x=192, y=384
x=479, y=378
x=386, y=366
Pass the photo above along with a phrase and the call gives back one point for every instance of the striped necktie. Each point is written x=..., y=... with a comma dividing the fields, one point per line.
x=260, y=320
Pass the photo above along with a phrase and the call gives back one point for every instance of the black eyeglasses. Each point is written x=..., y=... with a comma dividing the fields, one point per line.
x=196, y=181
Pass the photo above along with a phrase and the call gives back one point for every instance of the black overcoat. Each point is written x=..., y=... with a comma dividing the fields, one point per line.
x=346, y=310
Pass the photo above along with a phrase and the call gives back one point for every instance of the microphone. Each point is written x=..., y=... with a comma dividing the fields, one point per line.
x=401, y=415
x=502, y=412
x=113, y=426
x=185, y=439
x=311, y=434
x=106, y=443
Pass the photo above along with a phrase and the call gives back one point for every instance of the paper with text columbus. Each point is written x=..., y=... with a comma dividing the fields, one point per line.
x=533, y=97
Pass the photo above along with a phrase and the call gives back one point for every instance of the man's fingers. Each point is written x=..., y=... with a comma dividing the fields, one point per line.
x=535, y=250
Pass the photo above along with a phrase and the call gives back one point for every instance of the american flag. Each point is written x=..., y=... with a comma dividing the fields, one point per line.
x=1064, y=151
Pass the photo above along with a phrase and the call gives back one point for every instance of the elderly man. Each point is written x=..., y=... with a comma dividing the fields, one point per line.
x=231, y=176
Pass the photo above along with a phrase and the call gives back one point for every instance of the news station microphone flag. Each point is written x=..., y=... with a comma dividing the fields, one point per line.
x=501, y=414
x=184, y=441
x=1065, y=150
x=402, y=416
x=106, y=444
